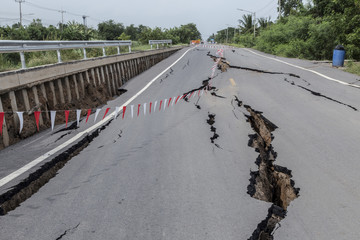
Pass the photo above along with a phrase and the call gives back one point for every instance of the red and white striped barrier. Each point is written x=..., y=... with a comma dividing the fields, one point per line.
x=166, y=103
x=162, y=105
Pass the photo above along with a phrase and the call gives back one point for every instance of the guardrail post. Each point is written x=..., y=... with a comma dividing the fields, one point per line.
x=59, y=56
x=5, y=136
x=157, y=46
x=104, y=52
x=129, y=49
x=14, y=107
x=84, y=51
x=151, y=46
x=22, y=58
x=118, y=48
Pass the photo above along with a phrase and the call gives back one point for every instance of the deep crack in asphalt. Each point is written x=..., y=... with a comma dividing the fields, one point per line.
x=211, y=122
x=17, y=194
x=271, y=183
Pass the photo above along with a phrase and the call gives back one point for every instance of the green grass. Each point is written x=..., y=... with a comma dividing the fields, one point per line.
x=6, y=64
x=352, y=67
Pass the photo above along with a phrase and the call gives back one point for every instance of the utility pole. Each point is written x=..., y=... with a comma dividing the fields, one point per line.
x=62, y=19
x=234, y=33
x=227, y=32
x=254, y=24
x=85, y=23
x=84, y=20
x=279, y=9
x=20, y=1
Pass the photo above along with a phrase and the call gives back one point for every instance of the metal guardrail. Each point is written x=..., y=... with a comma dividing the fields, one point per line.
x=157, y=42
x=11, y=46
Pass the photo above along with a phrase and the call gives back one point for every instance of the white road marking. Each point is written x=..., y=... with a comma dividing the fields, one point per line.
x=305, y=69
x=38, y=160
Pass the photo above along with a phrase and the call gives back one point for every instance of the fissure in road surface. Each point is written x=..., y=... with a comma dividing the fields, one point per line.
x=211, y=122
x=26, y=188
x=224, y=65
x=271, y=183
x=320, y=94
x=67, y=231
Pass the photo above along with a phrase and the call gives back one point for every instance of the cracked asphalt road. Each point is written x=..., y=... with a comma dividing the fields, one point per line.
x=162, y=178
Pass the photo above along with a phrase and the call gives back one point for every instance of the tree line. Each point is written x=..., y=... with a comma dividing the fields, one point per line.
x=107, y=30
x=310, y=30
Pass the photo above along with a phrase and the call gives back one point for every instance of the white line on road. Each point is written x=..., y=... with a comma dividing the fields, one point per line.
x=302, y=68
x=38, y=160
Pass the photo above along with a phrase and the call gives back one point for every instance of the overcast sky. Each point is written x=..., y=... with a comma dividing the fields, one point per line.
x=209, y=15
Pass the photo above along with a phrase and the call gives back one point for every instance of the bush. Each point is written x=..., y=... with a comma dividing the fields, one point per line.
x=287, y=37
x=247, y=40
x=295, y=48
x=303, y=37
x=320, y=44
x=353, y=46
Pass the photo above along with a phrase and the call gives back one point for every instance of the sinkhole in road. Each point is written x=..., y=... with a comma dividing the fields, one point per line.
x=271, y=183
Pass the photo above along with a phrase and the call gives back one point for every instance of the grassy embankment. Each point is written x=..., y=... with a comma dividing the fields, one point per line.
x=352, y=67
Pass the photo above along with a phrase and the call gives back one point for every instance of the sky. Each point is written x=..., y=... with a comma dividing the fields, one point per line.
x=208, y=15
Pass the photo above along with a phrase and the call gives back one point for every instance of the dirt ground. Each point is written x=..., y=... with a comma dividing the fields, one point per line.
x=91, y=99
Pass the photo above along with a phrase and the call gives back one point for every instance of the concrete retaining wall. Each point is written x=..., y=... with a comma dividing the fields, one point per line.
x=66, y=85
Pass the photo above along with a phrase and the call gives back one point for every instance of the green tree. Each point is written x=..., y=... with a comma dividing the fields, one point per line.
x=188, y=32
x=77, y=31
x=109, y=30
x=246, y=23
x=289, y=7
x=132, y=32
x=220, y=36
x=151, y=34
x=37, y=31
x=331, y=7
x=264, y=22
x=123, y=36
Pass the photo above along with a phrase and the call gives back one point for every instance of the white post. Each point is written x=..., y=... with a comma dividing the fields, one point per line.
x=151, y=46
x=59, y=55
x=157, y=46
x=129, y=49
x=22, y=58
x=84, y=51
x=104, y=52
x=254, y=23
x=118, y=48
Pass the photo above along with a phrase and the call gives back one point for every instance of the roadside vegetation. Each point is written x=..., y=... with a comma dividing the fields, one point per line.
x=308, y=31
x=352, y=67
x=108, y=30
